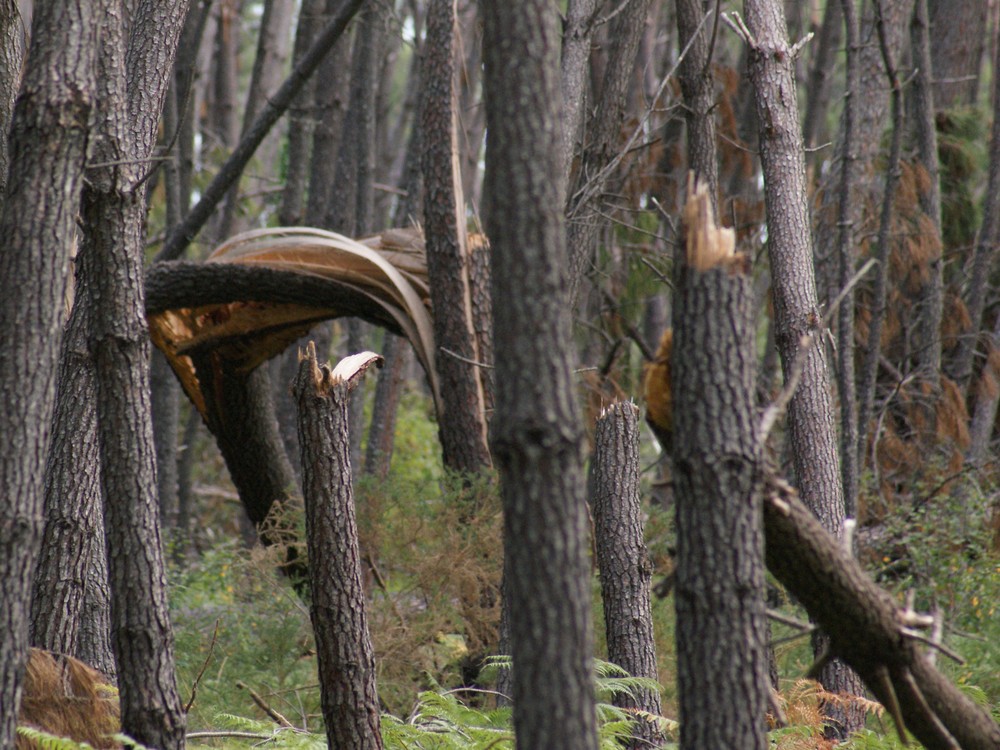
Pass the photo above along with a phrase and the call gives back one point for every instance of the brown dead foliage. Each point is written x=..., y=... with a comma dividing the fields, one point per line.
x=65, y=697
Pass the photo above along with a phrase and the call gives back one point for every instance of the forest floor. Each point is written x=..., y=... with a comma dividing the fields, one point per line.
x=245, y=648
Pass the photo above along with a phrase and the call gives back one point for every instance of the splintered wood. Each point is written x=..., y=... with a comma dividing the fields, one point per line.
x=706, y=245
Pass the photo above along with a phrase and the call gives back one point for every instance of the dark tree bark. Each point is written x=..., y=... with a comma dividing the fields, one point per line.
x=11, y=59
x=462, y=426
x=48, y=139
x=602, y=143
x=343, y=645
x=796, y=314
x=133, y=77
x=698, y=88
x=248, y=438
x=958, y=42
x=721, y=623
x=73, y=549
x=536, y=427
x=623, y=560
x=866, y=626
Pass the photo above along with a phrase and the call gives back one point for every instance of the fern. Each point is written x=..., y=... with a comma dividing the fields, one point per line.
x=46, y=741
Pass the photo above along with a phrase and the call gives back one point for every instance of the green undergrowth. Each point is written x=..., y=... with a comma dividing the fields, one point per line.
x=432, y=549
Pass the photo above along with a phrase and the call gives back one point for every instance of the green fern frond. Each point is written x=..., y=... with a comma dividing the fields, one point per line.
x=47, y=741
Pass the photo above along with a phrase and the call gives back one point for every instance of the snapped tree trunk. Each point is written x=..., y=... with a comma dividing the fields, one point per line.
x=537, y=433
x=721, y=623
x=623, y=560
x=344, y=651
x=867, y=628
x=48, y=140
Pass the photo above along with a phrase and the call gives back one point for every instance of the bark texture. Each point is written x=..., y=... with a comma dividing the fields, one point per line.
x=537, y=432
x=133, y=77
x=462, y=426
x=623, y=560
x=796, y=314
x=48, y=140
x=343, y=645
x=866, y=626
x=721, y=625
x=73, y=551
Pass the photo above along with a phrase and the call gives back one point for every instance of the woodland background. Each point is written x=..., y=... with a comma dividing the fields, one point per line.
x=146, y=135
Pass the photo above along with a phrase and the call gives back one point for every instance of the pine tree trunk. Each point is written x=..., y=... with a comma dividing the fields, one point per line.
x=537, y=433
x=133, y=77
x=810, y=411
x=462, y=426
x=344, y=651
x=47, y=147
x=721, y=623
x=73, y=550
x=623, y=560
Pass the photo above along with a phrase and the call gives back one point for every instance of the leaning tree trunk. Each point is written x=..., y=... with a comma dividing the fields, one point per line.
x=48, y=140
x=623, y=561
x=462, y=424
x=133, y=77
x=344, y=651
x=537, y=433
x=796, y=312
x=721, y=623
